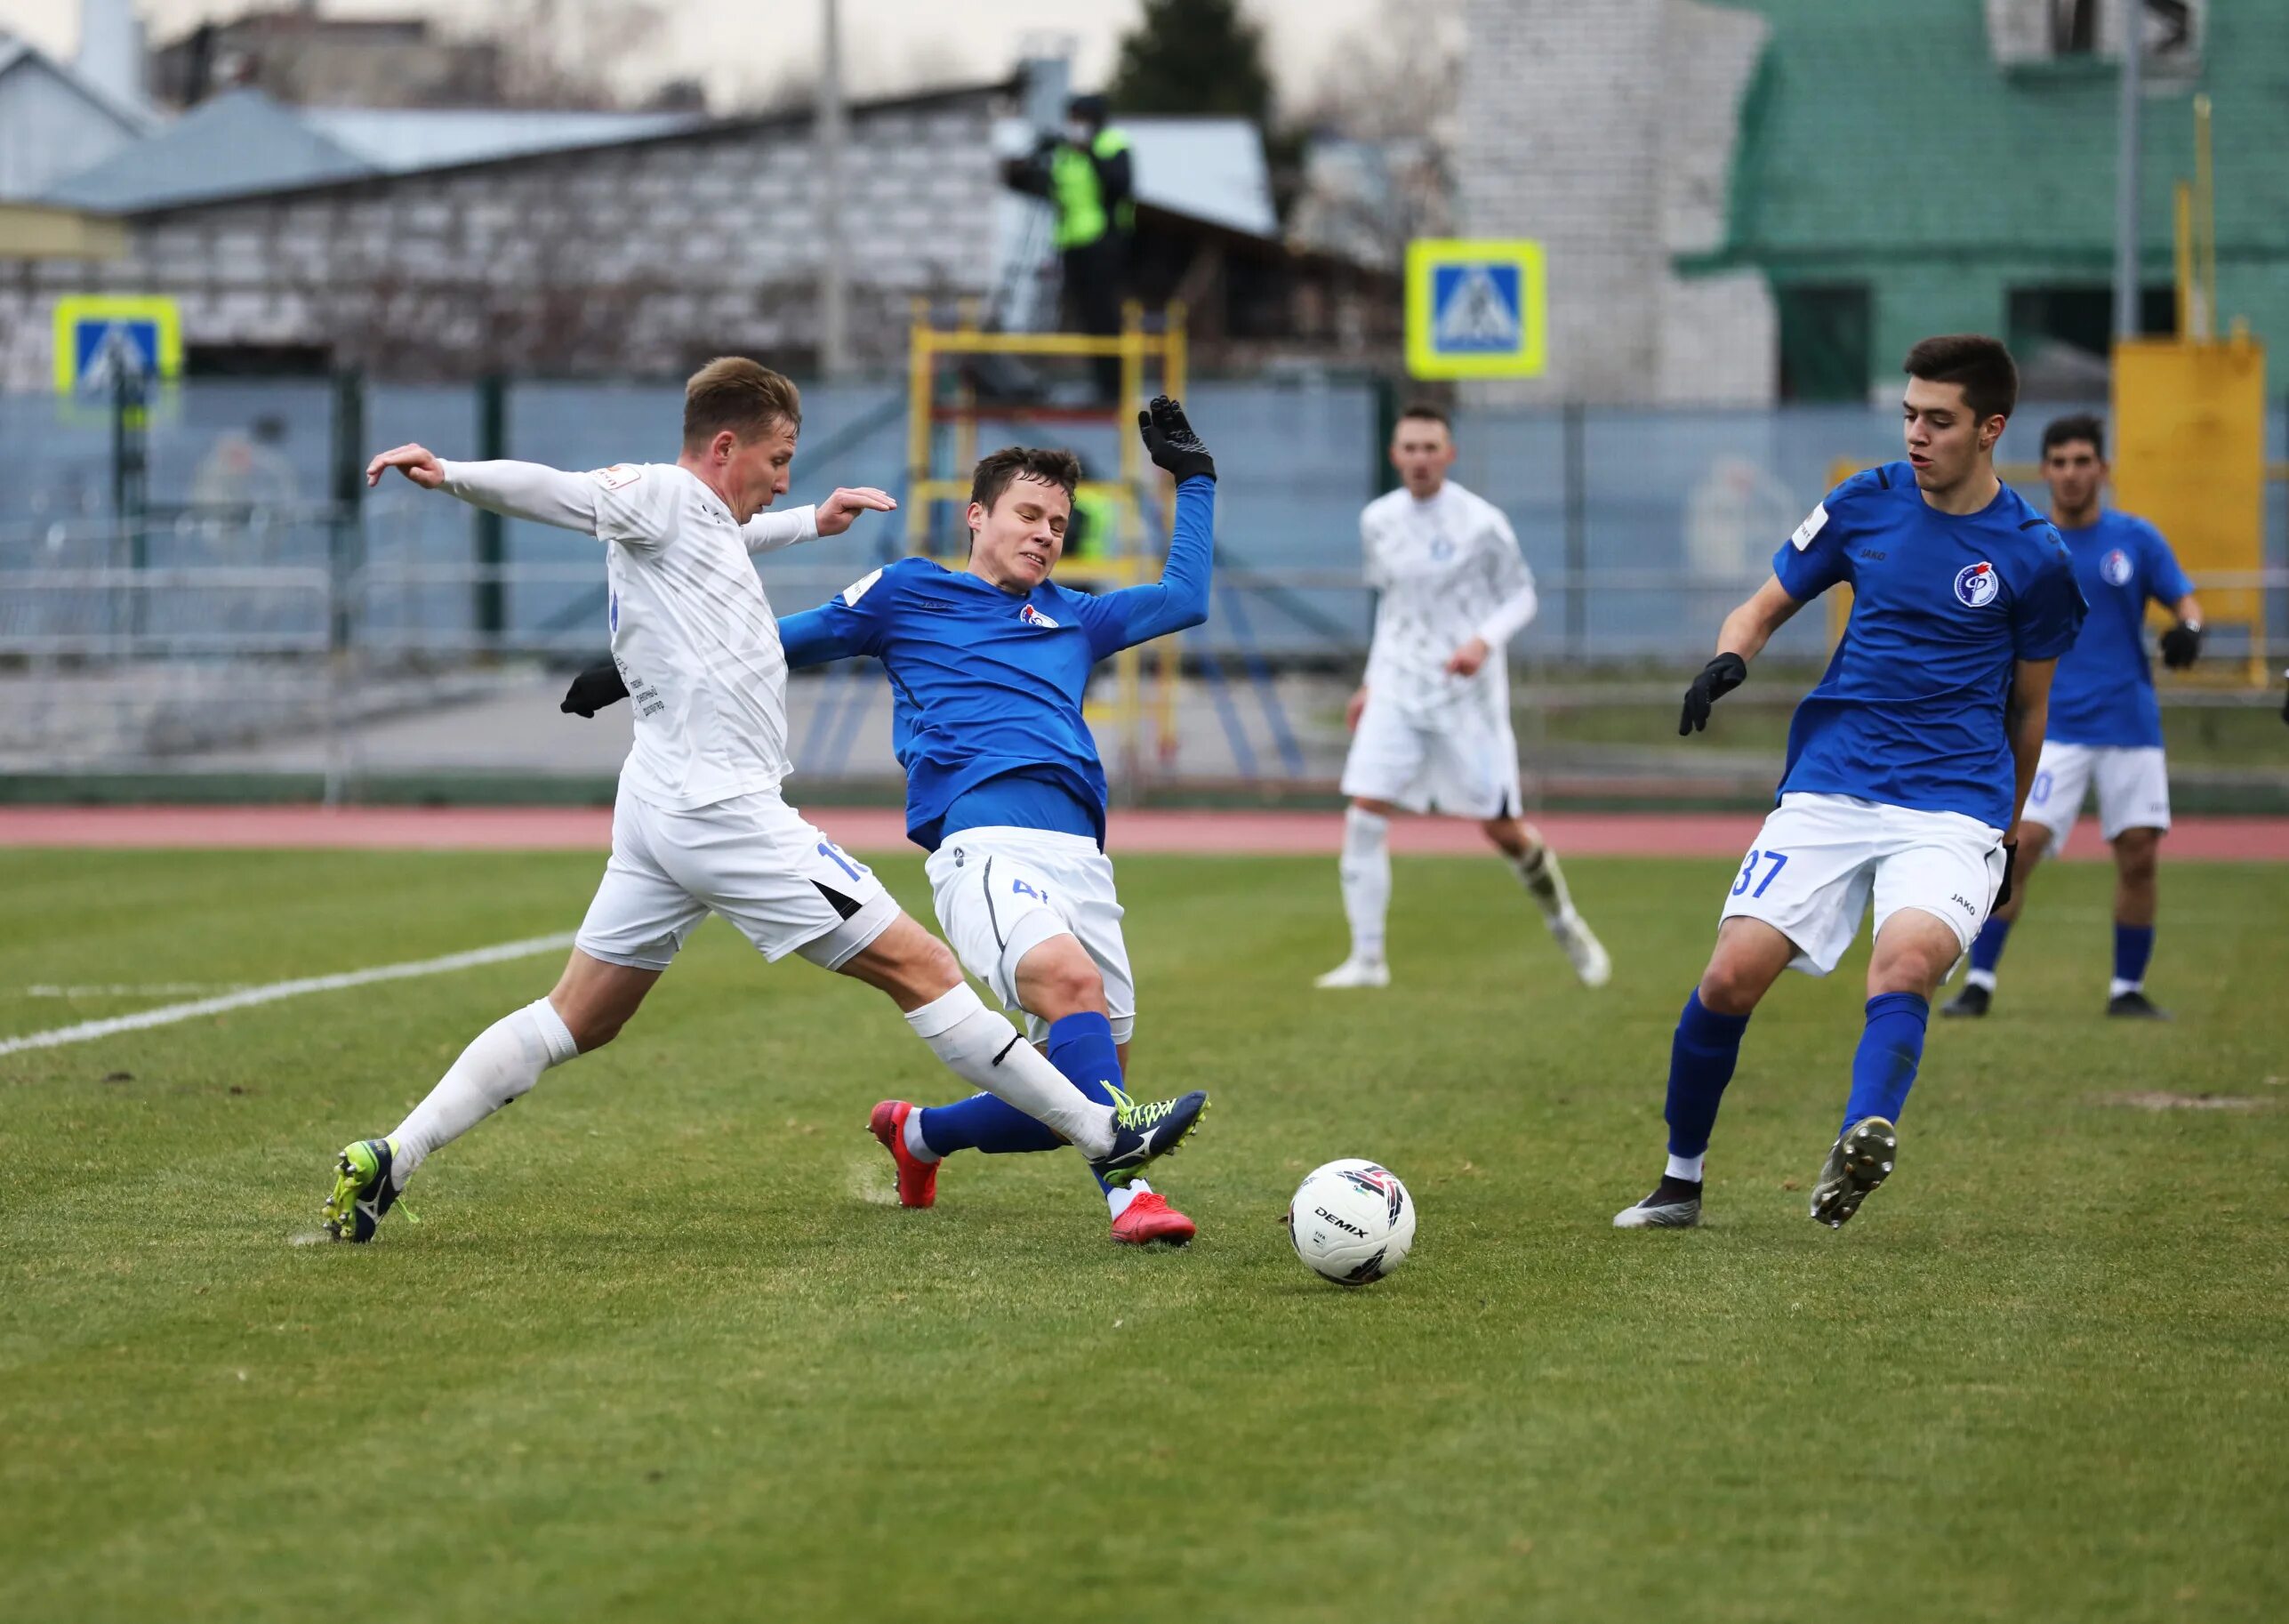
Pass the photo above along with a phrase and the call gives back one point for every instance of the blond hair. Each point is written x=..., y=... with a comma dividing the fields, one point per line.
x=745, y=397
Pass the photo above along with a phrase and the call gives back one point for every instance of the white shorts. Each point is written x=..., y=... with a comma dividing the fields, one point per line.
x=786, y=887
x=1820, y=860
x=1000, y=893
x=2134, y=789
x=1461, y=760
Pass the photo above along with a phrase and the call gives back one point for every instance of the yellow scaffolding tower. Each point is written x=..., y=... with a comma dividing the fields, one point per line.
x=1132, y=557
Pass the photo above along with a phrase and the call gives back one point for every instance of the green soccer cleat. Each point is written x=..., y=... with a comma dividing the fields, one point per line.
x=1144, y=1134
x=1861, y=1159
x=362, y=1191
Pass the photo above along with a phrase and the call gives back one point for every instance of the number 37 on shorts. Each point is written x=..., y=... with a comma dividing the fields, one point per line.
x=1760, y=871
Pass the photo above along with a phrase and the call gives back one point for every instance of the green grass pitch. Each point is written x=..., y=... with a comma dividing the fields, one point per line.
x=662, y=1347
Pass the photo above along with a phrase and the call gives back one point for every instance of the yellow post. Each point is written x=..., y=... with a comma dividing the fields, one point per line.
x=921, y=366
x=2206, y=218
x=2182, y=208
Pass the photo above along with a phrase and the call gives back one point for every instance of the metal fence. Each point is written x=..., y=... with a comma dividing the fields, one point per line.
x=247, y=623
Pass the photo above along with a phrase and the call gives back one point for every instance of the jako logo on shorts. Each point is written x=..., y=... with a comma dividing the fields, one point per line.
x=2115, y=568
x=1975, y=584
x=1033, y=616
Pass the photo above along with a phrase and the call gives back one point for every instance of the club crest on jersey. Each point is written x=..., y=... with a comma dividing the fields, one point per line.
x=1975, y=584
x=2115, y=567
x=1033, y=616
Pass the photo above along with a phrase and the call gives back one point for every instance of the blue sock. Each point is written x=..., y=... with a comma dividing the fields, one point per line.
x=1080, y=1045
x=2134, y=945
x=1986, y=953
x=983, y=1122
x=1889, y=1051
x=1701, y=1058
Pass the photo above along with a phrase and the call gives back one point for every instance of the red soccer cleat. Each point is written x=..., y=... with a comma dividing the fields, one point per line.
x=918, y=1180
x=1149, y=1218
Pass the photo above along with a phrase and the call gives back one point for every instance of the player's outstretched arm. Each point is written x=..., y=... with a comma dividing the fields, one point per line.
x=1180, y=597
x=769, y=532
x=518, y=490
x=1741, y=639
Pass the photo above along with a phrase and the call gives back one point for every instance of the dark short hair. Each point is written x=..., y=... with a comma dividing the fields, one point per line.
x=745, y=397
x=995, y=473
x=2081, y=426
x=1981, y=364
x=1428, y=413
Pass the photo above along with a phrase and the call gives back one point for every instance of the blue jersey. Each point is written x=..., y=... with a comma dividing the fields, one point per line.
x=2104, y=691
x=987, y=685
x=1910, y=710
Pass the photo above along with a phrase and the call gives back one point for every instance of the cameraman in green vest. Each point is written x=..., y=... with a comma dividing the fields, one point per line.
x=1087, y=176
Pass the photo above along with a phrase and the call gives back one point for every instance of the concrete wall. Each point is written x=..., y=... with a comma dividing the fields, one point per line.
x=640, y=259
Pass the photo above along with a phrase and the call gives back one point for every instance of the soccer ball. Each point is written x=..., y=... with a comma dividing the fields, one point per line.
x=1352, y=1221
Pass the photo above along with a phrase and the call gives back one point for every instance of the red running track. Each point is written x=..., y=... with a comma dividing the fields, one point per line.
x=882, y=829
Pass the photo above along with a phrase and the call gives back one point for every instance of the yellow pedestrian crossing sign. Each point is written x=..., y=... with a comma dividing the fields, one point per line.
x=1475, y=308
x=98, y=335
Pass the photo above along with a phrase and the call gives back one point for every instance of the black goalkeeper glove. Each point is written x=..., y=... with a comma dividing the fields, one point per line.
x=1718, y=678
x=2284, y=703
x=2010, y=863
x=593, y=689
x=2181, y=645
x=1171, y=443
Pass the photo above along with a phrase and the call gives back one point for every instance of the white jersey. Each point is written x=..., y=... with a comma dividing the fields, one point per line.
x=691, y=632
x=1448, y=570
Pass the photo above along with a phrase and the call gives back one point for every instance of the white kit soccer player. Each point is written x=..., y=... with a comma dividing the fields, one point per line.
x=1431, y=720
x=699, y=824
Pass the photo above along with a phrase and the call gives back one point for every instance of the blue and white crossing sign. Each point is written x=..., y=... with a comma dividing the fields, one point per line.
x=96, y=335
x=1475, y=309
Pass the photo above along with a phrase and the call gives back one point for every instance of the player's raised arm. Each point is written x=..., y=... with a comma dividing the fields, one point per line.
x=1180, y=597
x=518, y=490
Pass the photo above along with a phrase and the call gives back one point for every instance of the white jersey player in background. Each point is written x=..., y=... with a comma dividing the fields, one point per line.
x=1431, y=723
x=699, y=824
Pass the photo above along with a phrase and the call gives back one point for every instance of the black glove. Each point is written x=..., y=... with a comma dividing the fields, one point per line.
x=2284, y=703
x=593, y=689
x=2009, y=862
x=1169, y=440
x=2181, y=645
x=1718, y=678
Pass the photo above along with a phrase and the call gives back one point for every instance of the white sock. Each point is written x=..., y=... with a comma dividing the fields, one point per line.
x=1980, y=978
x=1366, y=871
x=1687, y=1168
x=1544, y=882
x=1119, y=1195
x=2117, y=987
x=985, y=1051
x=916, y=1146
x=506, y=1059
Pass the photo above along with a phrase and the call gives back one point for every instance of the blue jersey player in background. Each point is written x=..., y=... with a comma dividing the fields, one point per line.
x=988, y=666
x=1908, y=764
x=2106, y=724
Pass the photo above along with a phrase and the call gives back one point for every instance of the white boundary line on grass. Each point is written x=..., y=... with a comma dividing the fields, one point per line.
x=167, y=1014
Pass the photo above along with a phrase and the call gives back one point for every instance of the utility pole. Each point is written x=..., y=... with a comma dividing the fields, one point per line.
x=833, y=134
x=2126, y=324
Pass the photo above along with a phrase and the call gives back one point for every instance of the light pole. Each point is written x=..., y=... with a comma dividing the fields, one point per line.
x=2126, y=324
x=833, y=132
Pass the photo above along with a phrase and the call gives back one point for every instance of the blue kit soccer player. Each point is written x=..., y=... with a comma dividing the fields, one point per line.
x=1908, y=764
x=988, y=666
x=2106, y=725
